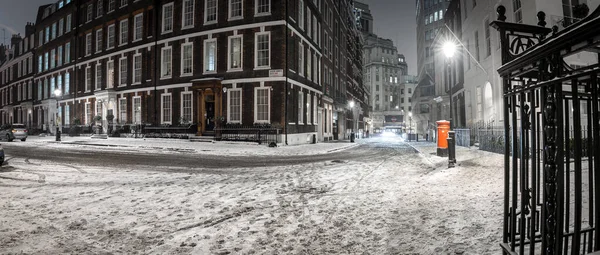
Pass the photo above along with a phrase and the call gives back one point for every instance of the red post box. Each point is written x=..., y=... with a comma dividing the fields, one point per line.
x=443, y=126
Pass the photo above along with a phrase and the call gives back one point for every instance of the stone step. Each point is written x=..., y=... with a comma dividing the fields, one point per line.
x=208, y=139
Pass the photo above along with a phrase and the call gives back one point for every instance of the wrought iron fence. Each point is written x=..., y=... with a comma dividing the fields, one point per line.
x=463, y=137
x=248, y=134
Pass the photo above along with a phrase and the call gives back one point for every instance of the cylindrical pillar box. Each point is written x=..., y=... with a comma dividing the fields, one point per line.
x=443, y=126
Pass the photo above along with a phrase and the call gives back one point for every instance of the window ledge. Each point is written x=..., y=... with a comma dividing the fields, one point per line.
x=122, y=44
x=262, y=14
x=186, y=74
x=109, y=12
x=206, y=23
x=165, y=77
x=136, y=40
x=262, y=68
x=166, y=32
x=137, y=83
x=235, y=70
x=110, y=48
x=235, y=18
x=187, y=27
x=209, y=72
x=121, y=85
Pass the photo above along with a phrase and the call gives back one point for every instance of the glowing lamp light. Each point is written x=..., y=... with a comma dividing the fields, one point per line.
x=449, y=48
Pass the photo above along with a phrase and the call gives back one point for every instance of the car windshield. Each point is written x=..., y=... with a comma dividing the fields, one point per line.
x=18, y=126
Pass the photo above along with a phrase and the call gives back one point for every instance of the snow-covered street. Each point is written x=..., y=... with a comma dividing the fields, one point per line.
x=394, y=199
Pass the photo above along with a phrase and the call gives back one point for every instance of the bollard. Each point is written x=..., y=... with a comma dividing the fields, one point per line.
x=352, y=137
x=57, y=134
x=451, y=149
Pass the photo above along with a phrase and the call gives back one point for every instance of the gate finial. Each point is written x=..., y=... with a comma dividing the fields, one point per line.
x=541, y=18
x=501, y=11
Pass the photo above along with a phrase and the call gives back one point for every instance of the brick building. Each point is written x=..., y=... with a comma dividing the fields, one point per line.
x=171, y=62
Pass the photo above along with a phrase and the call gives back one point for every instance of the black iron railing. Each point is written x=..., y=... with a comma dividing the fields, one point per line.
x=257, y=134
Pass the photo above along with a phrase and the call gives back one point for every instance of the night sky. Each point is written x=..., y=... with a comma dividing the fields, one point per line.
x=394, y=19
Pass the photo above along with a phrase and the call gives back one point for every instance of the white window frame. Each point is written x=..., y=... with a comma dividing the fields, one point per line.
x=183, y=108
x=206, y=21
x=163, y=110
x=98, y=82
x=301, y=59
x=230, y=10
x=121, y=32
x=110, y=6
x=122, y=110
x=206, y=59
x=136, y=71
x=301, y=14
x=88, y=78
x=121, y=65
x=229, y=107
x=315, y=105
x=230, y=53
x=256, y=8
x=268, y=120
x=163, y=66
x=110, y=74
x=165, y=29
x=256, y=66
x=67, y=83
x=138, y=31
x=99, y=40
x=99, y=8
x=300, y=107
x=184, y=16
x=68, y=24
x=110, y=40
x=88, y=44
x=61, y=24
x=308, y=109
x=191, y=72
x=67, y=119
x=136, y=115
x=88, y=107
x=90, y=13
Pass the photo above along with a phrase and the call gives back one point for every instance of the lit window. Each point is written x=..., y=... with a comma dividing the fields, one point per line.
x=210, y=55
x=110, y=74
x=137, y=110
x=235, y=52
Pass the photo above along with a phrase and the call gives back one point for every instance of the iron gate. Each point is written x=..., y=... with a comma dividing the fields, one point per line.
x=549, y=181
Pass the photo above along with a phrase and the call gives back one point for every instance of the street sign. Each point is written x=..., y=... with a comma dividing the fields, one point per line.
x=276, y=73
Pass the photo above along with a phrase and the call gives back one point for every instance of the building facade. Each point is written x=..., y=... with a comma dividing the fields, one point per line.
x=210, y=63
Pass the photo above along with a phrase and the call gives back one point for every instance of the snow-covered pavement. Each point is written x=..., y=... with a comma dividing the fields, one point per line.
x=398, y=202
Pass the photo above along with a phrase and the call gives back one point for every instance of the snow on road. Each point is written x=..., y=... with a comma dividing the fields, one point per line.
x=396, y=203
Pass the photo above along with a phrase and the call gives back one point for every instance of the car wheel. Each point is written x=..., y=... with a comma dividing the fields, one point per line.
x=23, y=139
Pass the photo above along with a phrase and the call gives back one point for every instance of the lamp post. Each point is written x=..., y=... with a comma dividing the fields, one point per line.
x=57, y=93
x=449, y=49
x=351, y=105
x=409, y=126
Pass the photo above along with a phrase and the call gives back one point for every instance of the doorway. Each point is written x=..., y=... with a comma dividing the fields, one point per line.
x=209, y=105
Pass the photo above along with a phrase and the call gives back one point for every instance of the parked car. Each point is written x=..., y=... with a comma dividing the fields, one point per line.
x=13, y=131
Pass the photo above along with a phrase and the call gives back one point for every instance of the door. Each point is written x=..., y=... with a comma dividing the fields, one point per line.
x=209, y=106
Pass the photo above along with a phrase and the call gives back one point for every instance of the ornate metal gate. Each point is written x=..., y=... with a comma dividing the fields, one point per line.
x=550, y=184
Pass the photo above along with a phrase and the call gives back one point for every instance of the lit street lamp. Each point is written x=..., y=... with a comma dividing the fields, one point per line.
x=409, y=126
x=449, y=48
x=351, y=105
x=57, y=93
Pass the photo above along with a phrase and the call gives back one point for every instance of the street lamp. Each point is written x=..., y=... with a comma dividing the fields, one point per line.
x=409, y=126
x=449, y=48
x=351, y=105
x=57, y=93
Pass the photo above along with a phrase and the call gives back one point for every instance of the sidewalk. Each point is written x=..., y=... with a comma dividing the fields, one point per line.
x=472, y=155
x=183, y=146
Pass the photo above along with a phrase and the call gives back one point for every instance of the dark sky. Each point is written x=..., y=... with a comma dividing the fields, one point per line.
x=394, y=19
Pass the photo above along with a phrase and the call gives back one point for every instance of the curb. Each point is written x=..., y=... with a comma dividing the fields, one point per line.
x=343, y=148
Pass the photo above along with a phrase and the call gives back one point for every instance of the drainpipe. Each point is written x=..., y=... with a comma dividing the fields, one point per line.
x=286, y=72
x=155, y=80
x=76, y=57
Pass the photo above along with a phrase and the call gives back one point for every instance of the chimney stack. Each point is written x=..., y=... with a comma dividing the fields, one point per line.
x=2, y=53
x=29, y=29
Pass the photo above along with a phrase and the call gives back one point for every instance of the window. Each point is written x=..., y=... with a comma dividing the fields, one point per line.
x=301, y=13
x=99, y=108
x=110, y=37
x=111, y=5
x=40, y=64
x=59, y=83
x=409, y=90
x=67, y=119
x=518, y=13
x=60, y=55
x=99, y=9
x=234, y=102
x=477, y=45
x=167, y=19
x=300, y=107
x=479, y=103
x=186, y=107
x=301, y=59
x=166, y=108
x=137, y=69
x=67, y=83
x=488, y=43
x=235, y=9
x=46, y=57
x=47, y=34
x=187, y=51
x=235, y=52
x=123, y=3
x=41, y=38
x=88, y=44
x=137, y=110
x=123, y=71
x=188, y=14
x=90, y=13
x=263, y=51
x=315, y=110
x=110, y=74
x=308, y=110
x=262, y=100
x=210, y=55
x=88, y=113
x=88, y=79
x=308, y=22
x=52, y=58
x=308, y=64
x=138, y=22
x=98, y=40
x=40, y=90
x=122, y=110
x=263, y=7
x=166, y=58
x=98, y=76
x=124, y=27
x=210, y=11
x=54, y=30
x=68, y=25
x=467, y=56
